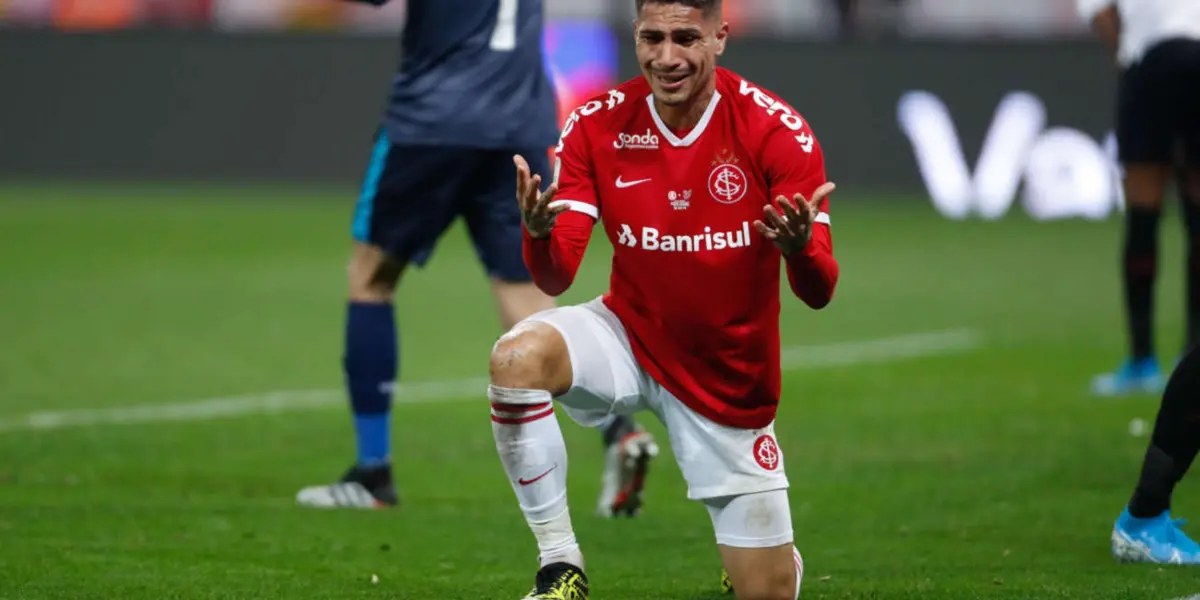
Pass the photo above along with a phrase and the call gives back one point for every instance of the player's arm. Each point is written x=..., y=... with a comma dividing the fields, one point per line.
x=797, y=220
x=1103, y=18
x=559, y=221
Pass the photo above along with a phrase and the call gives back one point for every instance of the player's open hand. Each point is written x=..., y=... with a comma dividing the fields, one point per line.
x=789, y=226
x=536, y=212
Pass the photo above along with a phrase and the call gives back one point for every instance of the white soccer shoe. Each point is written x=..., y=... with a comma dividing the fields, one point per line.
x=352, y=491
x=625, y=466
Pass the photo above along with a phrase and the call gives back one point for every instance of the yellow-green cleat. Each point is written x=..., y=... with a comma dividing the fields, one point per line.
x=726, y=582
x=559, y=581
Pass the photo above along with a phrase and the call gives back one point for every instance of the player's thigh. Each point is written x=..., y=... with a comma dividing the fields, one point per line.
x=754, y=536
x=717, y=460
x=493, y=216
x=408, y=198
x=605, y=378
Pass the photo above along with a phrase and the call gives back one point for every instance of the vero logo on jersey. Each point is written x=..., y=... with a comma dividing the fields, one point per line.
x=645, y=141
x=653, y=240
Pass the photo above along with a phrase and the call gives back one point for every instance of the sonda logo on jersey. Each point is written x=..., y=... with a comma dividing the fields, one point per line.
x=644, y=141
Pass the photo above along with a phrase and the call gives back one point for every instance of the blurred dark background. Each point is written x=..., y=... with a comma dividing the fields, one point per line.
x=265, y=90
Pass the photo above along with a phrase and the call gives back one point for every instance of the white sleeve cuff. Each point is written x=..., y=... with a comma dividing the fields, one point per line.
x=577, y=206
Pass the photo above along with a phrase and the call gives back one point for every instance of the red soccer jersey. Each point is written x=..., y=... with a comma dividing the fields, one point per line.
x=694, y=283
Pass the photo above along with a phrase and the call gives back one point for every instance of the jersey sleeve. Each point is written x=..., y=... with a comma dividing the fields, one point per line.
x=794, y=164
x=554, y=261
x=574, y=171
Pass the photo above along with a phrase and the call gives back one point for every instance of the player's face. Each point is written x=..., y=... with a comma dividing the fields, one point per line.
x=678, y=47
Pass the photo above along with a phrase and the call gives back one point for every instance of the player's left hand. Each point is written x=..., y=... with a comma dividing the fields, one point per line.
x=536, y=212
x=789, y=226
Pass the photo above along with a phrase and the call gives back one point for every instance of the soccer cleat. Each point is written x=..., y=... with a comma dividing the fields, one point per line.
x=559, y=581
x=726, y=582
x=1154, y=540
x=360, y=487
x=626, y=463
x=1141, y=376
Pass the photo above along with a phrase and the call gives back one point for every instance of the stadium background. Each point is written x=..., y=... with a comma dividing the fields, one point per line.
x=176, y=179
x=207, y=72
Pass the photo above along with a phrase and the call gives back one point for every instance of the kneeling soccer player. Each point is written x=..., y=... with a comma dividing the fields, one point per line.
x=704, y=183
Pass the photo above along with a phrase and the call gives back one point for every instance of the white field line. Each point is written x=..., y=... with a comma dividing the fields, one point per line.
x=875, y=351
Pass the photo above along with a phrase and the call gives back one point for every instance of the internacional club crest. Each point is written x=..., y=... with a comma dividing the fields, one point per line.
x=766, y=452
x=727, y=182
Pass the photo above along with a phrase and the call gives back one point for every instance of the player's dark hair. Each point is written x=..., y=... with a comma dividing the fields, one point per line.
x=708, y=7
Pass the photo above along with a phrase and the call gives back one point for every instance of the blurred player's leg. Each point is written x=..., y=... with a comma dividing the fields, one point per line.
x=1145, y=531
x=407, y=201
x=494, y=221
x=369, y=364
x=1145, y=135
x=629, y=449
x=516, y=300
x=1189, y=184
x=1189, y=190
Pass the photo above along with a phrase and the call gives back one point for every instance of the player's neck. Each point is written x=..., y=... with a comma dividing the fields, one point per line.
x=685, y=116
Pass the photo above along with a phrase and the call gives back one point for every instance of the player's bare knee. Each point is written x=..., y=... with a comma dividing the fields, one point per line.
x=371, y=276
x=531, y=356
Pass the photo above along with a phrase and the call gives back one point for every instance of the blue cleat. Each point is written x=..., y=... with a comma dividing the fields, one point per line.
x=1154, y=540
x=1141, y=376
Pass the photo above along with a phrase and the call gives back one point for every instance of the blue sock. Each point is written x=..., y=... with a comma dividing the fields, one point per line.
x=370, y=365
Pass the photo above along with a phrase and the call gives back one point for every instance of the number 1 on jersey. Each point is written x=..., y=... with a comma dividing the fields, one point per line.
x=504, y=36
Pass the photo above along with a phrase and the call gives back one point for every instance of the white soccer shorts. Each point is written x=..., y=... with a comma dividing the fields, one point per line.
x=717, y=461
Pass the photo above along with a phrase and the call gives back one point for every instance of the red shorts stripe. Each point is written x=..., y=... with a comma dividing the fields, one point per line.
x=521, y=420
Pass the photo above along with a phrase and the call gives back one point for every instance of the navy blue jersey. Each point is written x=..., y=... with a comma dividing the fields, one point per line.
x=472, y=74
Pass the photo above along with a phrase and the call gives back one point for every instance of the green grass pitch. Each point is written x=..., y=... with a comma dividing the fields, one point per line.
x=978, y=473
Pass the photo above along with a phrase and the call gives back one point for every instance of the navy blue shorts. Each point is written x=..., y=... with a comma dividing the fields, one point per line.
x=412, y=194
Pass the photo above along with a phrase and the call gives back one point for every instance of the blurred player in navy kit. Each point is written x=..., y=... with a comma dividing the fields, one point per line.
x=471, y=91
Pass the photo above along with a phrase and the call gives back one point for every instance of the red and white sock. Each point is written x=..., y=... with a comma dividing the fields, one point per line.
x=534, y=455
x=799, y=569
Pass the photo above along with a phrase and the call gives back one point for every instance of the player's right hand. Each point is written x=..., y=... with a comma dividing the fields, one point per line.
x=536, y=212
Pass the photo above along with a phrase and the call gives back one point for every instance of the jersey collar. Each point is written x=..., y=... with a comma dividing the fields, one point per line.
x=696, y=131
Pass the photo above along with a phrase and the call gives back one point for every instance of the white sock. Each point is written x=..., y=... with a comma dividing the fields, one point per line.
x=534, y=455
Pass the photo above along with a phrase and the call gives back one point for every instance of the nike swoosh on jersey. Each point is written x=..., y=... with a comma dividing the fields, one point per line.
x=625, y=184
